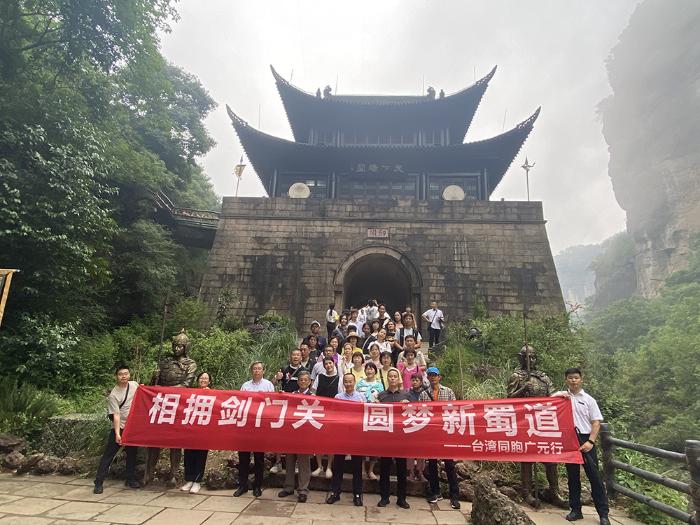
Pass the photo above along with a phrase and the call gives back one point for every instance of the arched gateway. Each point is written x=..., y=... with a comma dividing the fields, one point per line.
x=366, y=181
x=378, y=272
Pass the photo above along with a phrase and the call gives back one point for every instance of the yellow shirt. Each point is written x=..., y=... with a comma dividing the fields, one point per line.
x=358, y=375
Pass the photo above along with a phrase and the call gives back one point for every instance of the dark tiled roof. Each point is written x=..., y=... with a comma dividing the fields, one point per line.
x=306, y=111
x=495, y=154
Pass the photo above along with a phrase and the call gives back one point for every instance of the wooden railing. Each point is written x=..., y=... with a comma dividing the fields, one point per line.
x=691, y=458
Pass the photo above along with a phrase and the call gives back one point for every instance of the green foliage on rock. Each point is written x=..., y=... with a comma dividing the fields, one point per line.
x=654, y=361
x=481, y=367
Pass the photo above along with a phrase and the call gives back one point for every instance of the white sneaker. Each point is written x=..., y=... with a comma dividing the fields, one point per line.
x=329, y=473
x=187, y=486
x=276, y=468
x=317, y=472
x=195, y=488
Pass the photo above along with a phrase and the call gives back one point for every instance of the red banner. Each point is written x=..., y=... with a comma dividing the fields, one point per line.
x=532, y=429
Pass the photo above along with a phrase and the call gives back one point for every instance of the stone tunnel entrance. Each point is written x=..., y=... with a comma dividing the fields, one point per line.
x=378, y=277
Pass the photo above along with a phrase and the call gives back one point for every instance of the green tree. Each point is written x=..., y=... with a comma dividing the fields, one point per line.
x=94, y=122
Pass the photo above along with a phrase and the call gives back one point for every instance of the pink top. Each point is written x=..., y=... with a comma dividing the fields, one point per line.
x=407, y=372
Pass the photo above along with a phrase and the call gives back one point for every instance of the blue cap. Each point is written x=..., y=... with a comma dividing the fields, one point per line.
x=433, y=370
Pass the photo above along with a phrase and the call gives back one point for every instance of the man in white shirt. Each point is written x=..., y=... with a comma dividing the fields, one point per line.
x=119, y=401
x=435, y=318
x=257, y=384
x=587, y=419
x=348, y=394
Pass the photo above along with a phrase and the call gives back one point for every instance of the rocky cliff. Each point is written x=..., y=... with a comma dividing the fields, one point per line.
x=652, y=126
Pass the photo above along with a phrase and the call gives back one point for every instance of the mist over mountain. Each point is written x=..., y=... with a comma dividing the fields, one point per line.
x=652, y=127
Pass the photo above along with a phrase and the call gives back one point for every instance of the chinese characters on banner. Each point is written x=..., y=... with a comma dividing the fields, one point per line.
x=532, y=429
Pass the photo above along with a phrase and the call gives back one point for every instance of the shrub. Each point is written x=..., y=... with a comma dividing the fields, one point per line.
x=658, y=492
x=24, y=409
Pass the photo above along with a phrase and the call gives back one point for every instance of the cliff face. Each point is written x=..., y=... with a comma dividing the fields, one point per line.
x=652, y=126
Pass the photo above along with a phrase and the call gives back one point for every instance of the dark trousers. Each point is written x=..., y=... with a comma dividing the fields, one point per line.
x=339, y=467
x=329, y=328
x=434, y=336
x=244, y=468
x=590, y=466
x=384, y=472
x=111, y=449
x=434, y=479
x=195, y=462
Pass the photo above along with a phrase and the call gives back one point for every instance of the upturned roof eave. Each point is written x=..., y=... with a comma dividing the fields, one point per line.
x=261, y=148
x=302, y=107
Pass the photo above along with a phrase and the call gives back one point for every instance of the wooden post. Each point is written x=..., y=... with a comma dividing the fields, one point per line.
x=5, y=289
x=608, y=456
x=692, y=456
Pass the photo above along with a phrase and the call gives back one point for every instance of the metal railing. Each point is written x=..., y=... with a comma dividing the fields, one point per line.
x=691, y=458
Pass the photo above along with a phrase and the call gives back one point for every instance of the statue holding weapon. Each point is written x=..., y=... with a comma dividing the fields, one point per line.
x=527, y=381
x=176, y=370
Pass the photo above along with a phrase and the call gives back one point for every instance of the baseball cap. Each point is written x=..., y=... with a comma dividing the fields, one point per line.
x=315, y=322
x=433, y=370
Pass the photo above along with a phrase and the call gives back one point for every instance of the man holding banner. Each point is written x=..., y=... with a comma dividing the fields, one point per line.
x=257, y=384
x=256, y=418
x=438, y=392
x=349, y=394
x=587, y=419
x=394, y=394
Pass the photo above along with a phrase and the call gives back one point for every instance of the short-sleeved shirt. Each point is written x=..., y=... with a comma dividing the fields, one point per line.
x=406, y=373
x=420, y=358
x=290, y=375
x=442, y=393
x=434, y=316
x=403, y=332
x=397, y=396
x=261, y=386
x=585, y=410
x=116, y=397
x=358, y=375
x=370, y=389
x=355, y=396
x=414, y=395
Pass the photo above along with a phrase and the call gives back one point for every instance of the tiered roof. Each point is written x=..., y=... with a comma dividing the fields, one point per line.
x=454, y=112
x=305, y=112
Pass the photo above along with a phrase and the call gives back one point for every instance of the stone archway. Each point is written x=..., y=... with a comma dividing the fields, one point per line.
x=378, y=272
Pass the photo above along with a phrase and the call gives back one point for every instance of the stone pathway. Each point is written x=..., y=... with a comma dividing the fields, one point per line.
x=61, y=500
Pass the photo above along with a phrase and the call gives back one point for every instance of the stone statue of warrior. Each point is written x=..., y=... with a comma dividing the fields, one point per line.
x=176, y=370
x=527, y=381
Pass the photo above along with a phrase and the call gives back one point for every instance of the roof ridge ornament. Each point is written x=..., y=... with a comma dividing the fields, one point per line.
x=362, y=99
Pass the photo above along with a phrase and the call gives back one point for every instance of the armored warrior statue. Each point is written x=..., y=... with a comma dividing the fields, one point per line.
x=176, y=370
x=527, y=381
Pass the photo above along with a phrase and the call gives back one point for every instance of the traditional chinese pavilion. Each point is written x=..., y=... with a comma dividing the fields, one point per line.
x=386, y=147
x=379, y=196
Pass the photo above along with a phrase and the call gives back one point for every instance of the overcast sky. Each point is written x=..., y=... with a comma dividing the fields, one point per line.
x=549, y=53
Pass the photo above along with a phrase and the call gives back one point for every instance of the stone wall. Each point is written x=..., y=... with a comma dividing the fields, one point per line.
x=291, y=256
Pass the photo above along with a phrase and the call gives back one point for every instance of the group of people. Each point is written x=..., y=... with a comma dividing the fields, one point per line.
x=382, y=362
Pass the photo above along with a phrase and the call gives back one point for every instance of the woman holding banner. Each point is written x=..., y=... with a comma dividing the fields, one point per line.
x=196, y=460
